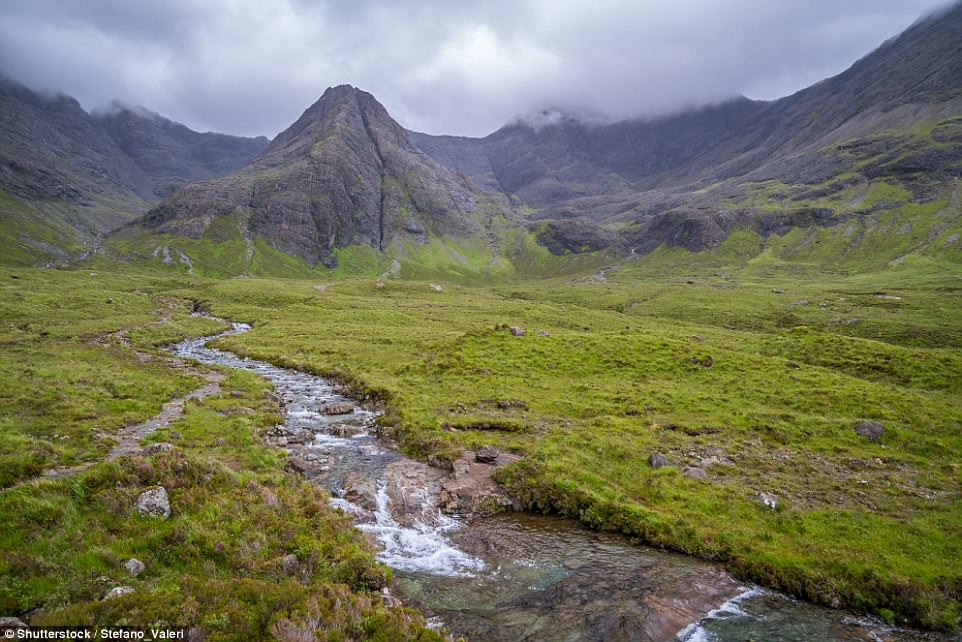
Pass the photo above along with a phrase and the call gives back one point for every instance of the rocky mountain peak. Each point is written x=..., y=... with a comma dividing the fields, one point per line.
x=343, y=110
x=343, y=174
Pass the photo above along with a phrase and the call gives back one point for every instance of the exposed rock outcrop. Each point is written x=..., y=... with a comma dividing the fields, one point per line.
x=471, y=489
x=344, y=173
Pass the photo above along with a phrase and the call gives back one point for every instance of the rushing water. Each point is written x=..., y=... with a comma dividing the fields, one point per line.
x=520, y=576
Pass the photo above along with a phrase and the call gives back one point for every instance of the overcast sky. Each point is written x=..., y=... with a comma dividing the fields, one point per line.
x=454, y=67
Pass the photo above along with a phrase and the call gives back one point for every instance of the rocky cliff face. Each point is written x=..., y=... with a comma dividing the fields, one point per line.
x=74, y=177
x=51, y=149
x=171, y=154
x=345, y=173
x=673, y=179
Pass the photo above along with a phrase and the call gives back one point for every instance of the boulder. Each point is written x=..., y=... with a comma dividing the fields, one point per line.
x=296, y=464
x=769, y=500
x=8, y=623
x=361, y=491
x=154, y=502
x=471, y=489
x=870, y=429
x=657, y=460
x=301, y=436
x=159, y=447
x=134, y=566
x=338, y=408
x=288, y=564
x=345, y=430
x=694, y=472
x=486, y=455
x=516, y=331
x=117, y=591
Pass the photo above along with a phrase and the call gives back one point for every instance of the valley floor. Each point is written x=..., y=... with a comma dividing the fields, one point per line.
x=756, y=376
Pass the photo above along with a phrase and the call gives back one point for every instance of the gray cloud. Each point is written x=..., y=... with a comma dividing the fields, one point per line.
x=252, y=66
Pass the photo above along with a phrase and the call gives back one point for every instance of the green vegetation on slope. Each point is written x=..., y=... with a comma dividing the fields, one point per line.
x=758, y=368
x=250, y=552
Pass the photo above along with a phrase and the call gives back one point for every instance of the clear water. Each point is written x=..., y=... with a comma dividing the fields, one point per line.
x=529, y=577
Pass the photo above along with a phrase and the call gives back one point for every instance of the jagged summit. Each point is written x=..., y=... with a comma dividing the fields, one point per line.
x=344, y=173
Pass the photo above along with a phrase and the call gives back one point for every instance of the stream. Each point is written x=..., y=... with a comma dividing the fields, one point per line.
x=518, y=576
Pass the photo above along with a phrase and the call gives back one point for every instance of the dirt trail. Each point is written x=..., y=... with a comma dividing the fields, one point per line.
x=129, y=437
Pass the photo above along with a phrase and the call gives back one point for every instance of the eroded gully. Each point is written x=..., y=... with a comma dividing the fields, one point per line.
x=517, y=576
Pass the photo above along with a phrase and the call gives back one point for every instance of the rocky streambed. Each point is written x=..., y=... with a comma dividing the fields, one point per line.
x=515, y=576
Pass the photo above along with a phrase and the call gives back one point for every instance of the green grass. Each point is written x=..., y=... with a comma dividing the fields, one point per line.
x=721, y=365
x=766, y=351
x=69, y=380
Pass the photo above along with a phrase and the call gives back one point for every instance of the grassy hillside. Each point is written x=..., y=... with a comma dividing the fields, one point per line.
x=761, y=369
x=78, y=361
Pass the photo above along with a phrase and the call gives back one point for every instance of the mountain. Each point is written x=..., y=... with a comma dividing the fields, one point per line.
x=171, y=154
x=689, y=179
x=344, y=174
x=67, y=177
x=869, y=162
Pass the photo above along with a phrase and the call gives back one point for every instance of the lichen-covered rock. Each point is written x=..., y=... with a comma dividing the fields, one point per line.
x=154, y=502
x=160, y=447
x=117, y=591
x=345, y=430
x=11, y=623
x=486, y=455
x=289, y=564
x=338, y=408
x=769, y=500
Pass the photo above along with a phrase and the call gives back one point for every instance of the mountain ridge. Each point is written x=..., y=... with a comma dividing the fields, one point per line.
x=631, y=171
x=69, y=177
x=342, y=174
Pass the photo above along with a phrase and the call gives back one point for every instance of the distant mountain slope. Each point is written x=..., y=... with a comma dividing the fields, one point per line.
x=51, y=149
x=171, y=154
x=688, y=178
x=343, y=174
x=67, y=178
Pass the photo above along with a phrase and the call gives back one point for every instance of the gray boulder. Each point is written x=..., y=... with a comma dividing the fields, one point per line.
x=288, y=564
x=134, y=566
x=154, y=502
x=769, y=500
x=486, y=455
x=657, y=460
x=160, y=447
x=694, y=472
x=8, y=623
x=117, y=591
x=870, y=429
x=345, y=430
x=338, y=408
x=516, y=331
